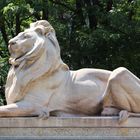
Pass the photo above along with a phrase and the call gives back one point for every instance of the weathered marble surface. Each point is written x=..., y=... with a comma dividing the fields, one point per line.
x=39, y=82
x=69, y=128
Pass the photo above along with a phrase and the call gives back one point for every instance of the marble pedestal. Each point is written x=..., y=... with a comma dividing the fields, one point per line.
x=69, y=128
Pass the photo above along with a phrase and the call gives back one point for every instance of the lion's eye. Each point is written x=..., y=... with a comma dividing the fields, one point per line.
x=26, y=36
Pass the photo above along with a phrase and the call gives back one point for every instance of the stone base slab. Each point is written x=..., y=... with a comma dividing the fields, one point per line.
x=69, y=128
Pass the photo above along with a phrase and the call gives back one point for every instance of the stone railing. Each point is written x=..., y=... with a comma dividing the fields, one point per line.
x=69, y=128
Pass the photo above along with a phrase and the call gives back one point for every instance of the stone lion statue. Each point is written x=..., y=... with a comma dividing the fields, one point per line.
x=40, y=84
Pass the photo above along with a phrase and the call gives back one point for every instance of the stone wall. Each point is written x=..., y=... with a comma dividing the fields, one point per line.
x=69, y=128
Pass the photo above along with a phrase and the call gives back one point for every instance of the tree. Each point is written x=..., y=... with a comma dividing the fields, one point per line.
x=92, y=33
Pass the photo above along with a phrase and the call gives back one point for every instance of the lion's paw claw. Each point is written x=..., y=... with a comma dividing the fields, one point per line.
x=44, y=114
x=123, y=116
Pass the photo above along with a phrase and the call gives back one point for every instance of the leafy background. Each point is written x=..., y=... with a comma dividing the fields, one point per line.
x=92, y=33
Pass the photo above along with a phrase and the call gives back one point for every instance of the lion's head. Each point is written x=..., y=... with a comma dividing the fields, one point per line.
x=34, y=52
x=31, y=41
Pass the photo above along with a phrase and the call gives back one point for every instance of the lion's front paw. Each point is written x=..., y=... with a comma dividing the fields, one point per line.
x=123, y=116
x=44, y=113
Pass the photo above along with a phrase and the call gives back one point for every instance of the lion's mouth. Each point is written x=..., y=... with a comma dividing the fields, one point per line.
x=16, y=60
x=19, y=57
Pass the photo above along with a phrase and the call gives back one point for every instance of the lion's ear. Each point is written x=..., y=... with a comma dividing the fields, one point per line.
x=40, y=30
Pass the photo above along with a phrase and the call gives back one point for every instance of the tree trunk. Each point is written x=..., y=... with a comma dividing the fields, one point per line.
x=79, y=12
x=3, y=31
x=17, y=23
x=45, y=10
x=109, y=5
x=92, y=17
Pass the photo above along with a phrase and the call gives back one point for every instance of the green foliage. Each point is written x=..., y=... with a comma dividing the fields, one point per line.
x=3, y=69
x=92, y=33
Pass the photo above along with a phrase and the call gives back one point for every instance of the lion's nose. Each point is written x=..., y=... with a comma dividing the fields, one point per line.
x=12, y=42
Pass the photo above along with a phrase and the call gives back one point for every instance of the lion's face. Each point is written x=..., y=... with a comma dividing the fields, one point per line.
x=22, y=43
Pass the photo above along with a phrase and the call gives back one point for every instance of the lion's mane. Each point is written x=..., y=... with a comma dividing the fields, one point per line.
x=34, y=64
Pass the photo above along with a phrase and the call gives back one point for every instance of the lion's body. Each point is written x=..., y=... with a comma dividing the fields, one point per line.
x=70, y=91
x=39, y=82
